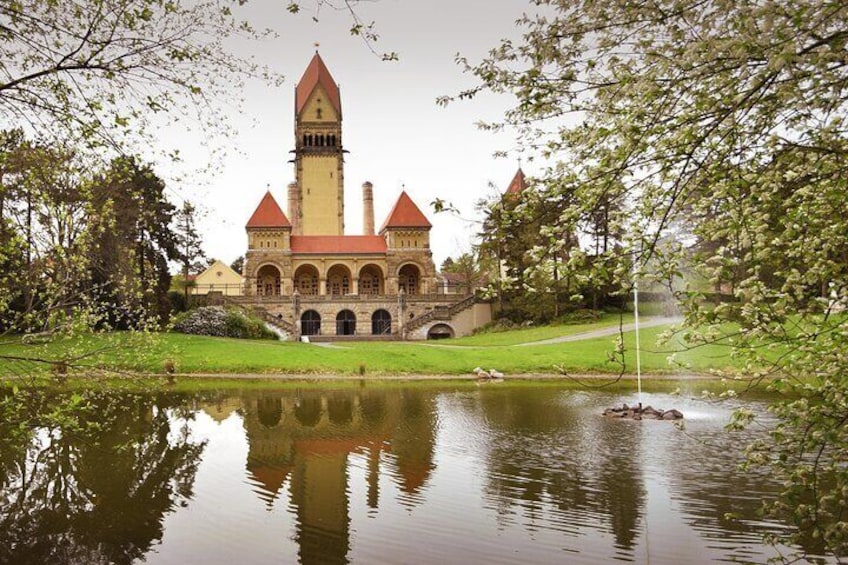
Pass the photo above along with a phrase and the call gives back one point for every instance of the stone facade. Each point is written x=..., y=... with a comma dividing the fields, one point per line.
x=303, y=270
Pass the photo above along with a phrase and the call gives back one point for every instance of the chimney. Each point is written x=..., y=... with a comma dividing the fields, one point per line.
x=294, y=208
x=367, y=208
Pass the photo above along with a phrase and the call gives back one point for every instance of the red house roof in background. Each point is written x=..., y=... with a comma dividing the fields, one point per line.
x=328, y=244
x=406, y=214
x=268, y=215
x=316, y=73
x=518, y=184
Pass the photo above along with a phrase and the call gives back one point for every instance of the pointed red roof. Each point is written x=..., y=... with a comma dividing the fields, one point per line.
x=405, y=214
x=518, y=184
x=268, y=215
x=316, y=73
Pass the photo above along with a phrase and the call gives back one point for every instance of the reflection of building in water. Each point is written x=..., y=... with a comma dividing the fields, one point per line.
x=304, y=438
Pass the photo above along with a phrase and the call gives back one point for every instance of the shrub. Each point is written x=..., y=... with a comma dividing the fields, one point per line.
x=217, y=321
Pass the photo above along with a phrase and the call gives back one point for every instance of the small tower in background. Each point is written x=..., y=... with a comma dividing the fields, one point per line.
x=294, y=208
x=367, y=208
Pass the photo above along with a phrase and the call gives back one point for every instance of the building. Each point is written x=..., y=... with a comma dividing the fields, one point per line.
x=218, y=277
x=307, y=273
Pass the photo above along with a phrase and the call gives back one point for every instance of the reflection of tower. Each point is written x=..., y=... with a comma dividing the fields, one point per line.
x=319, y=162
x=319, y=492
x=306, y=437
x=413, y=442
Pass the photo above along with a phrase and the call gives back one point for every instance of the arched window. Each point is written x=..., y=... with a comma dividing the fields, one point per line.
x=381, y=323
x=306, y=280
x=310, y=323
x=268, y=281
x=370, y=280
x=408, y=279
x=338, y=280
x=345, y=323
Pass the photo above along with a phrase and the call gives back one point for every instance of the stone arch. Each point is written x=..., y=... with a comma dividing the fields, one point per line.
x=269, y=411
x=338, y=280
x=381, y=322
x=409, y=278
x=346, y=323
x=371, y=280
x=440, y=331
x=308, y=410
x=340, y=410
x=268, y=280
x=310, y=323
x=306, y=280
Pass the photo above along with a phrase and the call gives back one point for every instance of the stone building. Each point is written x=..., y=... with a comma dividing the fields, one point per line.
x=307, y=273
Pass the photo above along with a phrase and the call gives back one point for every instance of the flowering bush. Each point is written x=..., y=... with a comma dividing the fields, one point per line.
x=217, y=321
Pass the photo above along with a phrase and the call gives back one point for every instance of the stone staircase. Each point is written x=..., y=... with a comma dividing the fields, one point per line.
x=441, y=313
x=282, y=328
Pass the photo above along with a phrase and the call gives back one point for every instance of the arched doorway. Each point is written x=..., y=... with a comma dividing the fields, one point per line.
x=310, y=323
x=409, y=278
x=370, y=280
x=345, y=323
x=268, y=281
x=381, y=323
x=440, y=331
x=306, y=280
x=338, y=280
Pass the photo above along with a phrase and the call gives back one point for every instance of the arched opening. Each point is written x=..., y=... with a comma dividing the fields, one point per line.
x=338, y=280
x=381, y=323
x=340, y=410
x=440, y=331
x=308, y=410
x=371, y=280
x=409, y=279
x=310, y=323
x=306, y=280
x=345, y=323
x=269, y=411
x=268, y=281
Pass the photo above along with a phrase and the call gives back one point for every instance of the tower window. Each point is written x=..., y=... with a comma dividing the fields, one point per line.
x=318, y=113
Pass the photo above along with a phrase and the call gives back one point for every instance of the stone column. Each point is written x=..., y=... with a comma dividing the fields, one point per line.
x=367, y=208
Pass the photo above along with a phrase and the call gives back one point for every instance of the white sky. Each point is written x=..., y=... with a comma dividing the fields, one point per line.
x=396, y=134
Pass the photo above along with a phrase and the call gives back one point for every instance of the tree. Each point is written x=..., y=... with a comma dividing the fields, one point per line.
x=238, y=264
x=189, y=243
x=728, y=118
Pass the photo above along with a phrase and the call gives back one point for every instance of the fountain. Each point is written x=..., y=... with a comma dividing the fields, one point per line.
x=639, y=412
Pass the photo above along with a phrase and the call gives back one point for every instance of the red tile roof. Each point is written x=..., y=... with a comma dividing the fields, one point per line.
x=338, y=244
x=268, y=215
x=518, y=184
x=316, y=73
x=406, y=214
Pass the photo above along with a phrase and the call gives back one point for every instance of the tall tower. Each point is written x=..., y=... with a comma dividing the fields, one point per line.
x=319, y=161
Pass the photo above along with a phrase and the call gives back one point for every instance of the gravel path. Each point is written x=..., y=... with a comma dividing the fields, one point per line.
x=603, y=332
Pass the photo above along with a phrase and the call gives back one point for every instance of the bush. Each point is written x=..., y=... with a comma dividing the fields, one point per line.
x=217, y=321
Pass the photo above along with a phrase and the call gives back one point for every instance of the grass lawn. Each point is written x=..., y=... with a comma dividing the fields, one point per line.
x=199, y=354
x=525, y=335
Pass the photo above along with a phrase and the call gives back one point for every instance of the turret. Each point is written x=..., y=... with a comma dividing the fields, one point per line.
x=367, y=208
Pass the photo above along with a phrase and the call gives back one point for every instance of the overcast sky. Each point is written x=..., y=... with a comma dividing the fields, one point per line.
x=396, y=134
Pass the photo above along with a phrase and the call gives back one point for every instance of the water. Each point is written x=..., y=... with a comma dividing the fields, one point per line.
x=377, y=474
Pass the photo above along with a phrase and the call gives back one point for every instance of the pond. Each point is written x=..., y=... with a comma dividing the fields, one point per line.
x=498, y=473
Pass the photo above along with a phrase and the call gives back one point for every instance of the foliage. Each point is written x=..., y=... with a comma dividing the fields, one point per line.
x=189, y=243
x=221, y=322
x=722, y=126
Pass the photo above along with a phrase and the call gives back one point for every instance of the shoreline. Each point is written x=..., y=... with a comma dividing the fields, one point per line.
x=434, y=377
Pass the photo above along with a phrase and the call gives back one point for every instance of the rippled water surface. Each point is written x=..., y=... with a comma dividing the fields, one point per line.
x=377, y=474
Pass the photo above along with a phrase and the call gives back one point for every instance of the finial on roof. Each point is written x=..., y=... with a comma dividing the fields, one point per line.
x=519, y=161
x=317, y=45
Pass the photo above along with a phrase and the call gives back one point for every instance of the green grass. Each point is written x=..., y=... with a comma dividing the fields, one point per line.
x=525, y=335
x=199, y=354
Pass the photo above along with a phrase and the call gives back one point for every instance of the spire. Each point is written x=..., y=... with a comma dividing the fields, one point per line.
x=518, y=184
x=406, y=214
x=268, y=215
x=316, y=73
